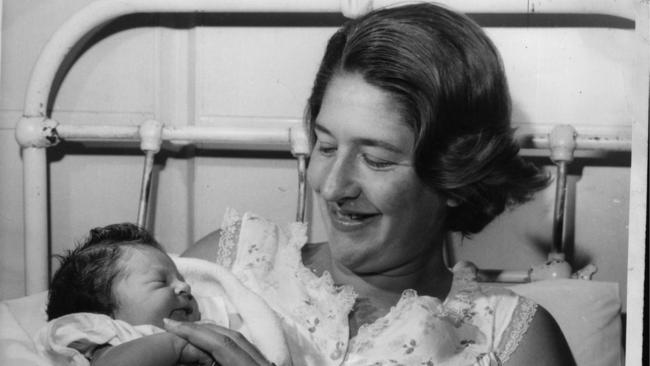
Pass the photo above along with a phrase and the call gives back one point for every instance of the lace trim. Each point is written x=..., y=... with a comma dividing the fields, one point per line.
x=267, y=258
x=408, y=299
x=512, y=336
x=229, y=236
x=345, y=296
x=368, y=331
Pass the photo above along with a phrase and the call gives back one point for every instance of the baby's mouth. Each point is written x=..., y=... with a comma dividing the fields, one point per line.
x=182, y=314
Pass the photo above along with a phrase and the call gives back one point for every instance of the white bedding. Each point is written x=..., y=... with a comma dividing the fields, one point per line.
x=20, y=319
x=588, y=312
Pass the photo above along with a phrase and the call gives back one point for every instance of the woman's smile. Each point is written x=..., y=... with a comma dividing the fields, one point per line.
x=349, y=220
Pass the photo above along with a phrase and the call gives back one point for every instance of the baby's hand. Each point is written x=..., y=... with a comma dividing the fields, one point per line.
x=188, y=354
x=226, y=346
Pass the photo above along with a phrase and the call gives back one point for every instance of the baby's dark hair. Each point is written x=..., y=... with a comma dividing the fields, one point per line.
x=84, y=280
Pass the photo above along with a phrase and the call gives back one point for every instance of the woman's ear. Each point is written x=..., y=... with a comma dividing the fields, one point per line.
x=452, y=202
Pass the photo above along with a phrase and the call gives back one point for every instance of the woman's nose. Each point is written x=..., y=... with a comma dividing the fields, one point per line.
x=339, y=181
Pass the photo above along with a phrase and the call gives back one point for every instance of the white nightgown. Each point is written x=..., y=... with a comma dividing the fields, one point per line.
x=472, y=326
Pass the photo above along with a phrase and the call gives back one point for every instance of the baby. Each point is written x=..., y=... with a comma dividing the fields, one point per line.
x=119, y=278
x=110, y=296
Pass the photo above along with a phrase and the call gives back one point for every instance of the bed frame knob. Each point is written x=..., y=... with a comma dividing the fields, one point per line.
x=37, y=132
x=562, y=140
x=150, y=135
x=554, y=268
x=299, y=141
x=355, y=8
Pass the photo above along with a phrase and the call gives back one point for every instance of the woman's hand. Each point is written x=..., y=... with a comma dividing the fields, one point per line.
x=226, y=346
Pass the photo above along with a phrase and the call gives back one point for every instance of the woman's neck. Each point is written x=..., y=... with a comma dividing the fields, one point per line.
x=378, y=292
x=427, y=274
x=429, y=277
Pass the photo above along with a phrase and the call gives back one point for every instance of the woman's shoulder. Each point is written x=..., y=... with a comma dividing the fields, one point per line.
x=204, y=248
x=525, y=333
x=247, y=232
x=542, y=344
x=467, y=290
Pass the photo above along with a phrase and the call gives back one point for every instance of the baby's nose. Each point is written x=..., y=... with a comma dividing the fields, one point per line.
x=181, y=287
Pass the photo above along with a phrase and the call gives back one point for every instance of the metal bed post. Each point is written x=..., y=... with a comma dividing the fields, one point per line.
x=33, y=135
x=562, y=141
x=150, y=141
x=36, y=249
x=300, y=149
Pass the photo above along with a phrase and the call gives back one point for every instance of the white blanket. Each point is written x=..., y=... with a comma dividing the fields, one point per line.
x=22, y=319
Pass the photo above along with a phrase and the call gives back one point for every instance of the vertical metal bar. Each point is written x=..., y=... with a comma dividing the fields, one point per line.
x=560, y=204
x=302, y=188
x=145, y=188
x=562, y=141
x=37, y=266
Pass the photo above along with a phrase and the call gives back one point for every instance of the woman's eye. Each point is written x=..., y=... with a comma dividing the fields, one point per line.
x=376, y=163
x=325, y=149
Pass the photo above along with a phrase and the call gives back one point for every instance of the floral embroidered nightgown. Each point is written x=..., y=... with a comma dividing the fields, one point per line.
x=472, y=326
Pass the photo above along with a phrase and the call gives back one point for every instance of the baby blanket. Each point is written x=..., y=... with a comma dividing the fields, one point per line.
x=218, y=293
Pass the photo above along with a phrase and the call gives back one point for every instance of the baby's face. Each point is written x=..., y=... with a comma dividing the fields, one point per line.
x=150, y=289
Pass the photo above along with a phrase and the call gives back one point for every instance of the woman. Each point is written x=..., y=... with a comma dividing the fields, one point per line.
x=410, y=119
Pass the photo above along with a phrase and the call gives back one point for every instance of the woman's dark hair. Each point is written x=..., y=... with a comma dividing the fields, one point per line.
x=84, y=281
x=448, y=80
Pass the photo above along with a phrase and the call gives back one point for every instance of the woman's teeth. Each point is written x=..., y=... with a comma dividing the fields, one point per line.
x=353, y=216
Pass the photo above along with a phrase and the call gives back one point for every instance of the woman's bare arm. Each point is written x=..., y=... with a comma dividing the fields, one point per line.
x=226, y=346
x=205, y=248
x=161, y=349
x=543, y=344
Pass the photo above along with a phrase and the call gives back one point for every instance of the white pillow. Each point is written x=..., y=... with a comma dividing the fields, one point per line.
x=20, y=319
x=588, y=313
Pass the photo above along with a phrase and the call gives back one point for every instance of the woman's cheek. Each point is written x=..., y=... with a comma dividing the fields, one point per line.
x=391, y=193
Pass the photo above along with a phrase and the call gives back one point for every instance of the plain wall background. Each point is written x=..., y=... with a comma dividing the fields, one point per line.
x=184, y=70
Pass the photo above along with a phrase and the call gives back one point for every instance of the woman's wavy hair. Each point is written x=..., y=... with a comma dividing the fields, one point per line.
x=448, y=79
x=84, y=280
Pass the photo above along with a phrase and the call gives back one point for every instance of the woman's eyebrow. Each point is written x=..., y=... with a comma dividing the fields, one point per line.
x=380, y=144
x=320, y=128
x=364, y=141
